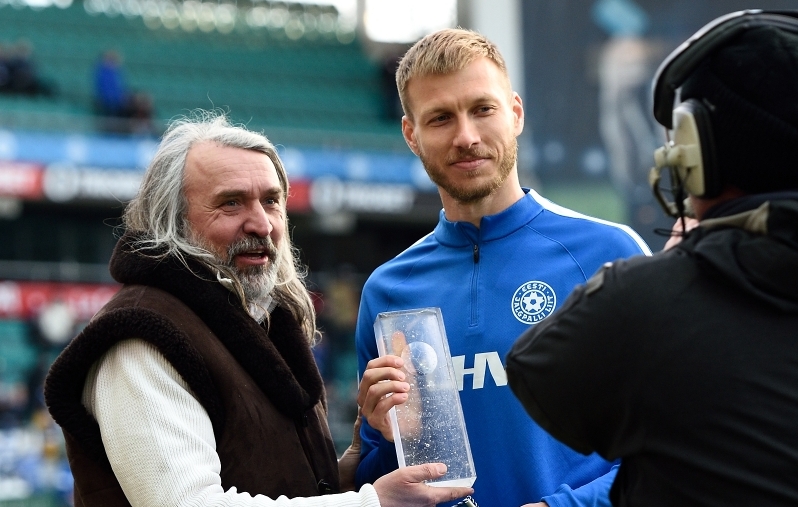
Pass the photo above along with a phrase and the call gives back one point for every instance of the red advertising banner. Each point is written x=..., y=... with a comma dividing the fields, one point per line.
x=19, y=179
x=25, y=300
x=299, y=197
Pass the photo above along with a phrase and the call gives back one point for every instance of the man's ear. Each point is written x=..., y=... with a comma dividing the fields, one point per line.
x=518, y=112
x=409, y=133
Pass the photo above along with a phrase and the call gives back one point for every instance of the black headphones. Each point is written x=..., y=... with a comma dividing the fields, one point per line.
x=689, y=154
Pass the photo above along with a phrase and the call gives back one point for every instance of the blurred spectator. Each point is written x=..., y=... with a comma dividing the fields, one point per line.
x=33, y=465
x=121, y=110
x=44, y=466
x=141, y=114
x=109, y=88
x=18, y=72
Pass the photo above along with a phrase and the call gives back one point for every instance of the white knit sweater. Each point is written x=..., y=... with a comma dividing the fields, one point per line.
x=159, y=439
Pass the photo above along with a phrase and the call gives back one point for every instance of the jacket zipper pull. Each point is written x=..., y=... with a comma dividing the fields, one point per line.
x=476, y=254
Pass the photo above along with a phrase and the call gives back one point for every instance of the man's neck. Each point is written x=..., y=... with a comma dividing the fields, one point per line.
x=701, y=206
x=504, y=197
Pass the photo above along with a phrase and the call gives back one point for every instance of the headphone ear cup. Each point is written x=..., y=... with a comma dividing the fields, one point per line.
x=692, y=126
x=713, y=181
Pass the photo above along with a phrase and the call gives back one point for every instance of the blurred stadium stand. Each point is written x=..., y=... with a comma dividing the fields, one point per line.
x=318, y=90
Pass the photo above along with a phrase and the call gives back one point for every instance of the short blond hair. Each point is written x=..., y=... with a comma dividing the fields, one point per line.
x=444, y=52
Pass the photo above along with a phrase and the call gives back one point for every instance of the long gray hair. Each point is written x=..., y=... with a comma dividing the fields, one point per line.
x=158, y=211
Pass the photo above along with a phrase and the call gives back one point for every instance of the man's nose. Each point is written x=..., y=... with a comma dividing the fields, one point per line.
x=467, y=134
x=258, y=222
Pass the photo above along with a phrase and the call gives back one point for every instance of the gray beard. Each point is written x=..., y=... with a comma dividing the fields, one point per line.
x=257, y=282
x=256, y=294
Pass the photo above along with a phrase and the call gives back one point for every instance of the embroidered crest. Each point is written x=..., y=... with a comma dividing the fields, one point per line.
x=533, y=301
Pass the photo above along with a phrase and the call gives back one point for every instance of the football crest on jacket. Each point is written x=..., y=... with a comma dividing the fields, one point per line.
x=533, y=301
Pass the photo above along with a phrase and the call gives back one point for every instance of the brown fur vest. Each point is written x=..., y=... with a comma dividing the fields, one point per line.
x=261, y=389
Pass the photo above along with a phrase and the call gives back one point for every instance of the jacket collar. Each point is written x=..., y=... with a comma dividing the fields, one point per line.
x=755, y=251
x=746, y=203
x=765, y=214
x=492, y=227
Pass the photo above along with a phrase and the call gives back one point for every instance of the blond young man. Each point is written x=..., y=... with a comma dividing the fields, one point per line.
x=500, y=260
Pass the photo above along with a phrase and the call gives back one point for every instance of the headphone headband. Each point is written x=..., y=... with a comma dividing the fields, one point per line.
x=681, y=63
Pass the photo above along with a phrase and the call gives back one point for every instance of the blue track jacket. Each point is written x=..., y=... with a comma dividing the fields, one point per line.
x=491, y=284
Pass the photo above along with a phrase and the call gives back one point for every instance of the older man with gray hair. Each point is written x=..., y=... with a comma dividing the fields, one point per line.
x=196, y=385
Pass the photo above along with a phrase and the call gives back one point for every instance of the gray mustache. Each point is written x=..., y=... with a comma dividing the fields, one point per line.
x=250, y=243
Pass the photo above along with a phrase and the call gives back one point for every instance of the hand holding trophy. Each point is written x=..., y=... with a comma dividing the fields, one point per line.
x=428, y=427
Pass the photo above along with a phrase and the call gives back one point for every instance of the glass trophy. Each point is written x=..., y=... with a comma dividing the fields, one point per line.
x=429, y=427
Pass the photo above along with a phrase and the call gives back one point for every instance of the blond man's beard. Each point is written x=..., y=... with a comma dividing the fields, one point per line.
x=469, y=193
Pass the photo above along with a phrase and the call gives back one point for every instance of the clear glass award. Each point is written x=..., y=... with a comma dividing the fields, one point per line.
x=429, y=427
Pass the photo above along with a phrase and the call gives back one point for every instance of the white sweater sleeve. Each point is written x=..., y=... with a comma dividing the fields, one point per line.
x=159, y=439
